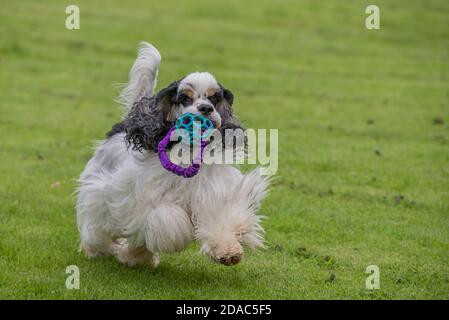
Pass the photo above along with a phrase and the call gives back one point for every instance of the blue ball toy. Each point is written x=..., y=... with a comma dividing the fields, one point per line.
x=195, y=126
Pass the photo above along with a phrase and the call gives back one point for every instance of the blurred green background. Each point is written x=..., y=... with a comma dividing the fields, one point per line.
x=363, y=153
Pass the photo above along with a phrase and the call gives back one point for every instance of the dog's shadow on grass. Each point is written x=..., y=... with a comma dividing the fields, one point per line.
x=199, y=276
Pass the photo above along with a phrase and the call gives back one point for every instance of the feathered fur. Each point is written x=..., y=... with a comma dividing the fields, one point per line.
x=142, y=76
x=130, y=207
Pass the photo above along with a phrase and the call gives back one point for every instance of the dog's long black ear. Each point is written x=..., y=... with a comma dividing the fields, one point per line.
x=166, y=98
x=228, y=118
x=145, y=126
x=224, y=107
x=228, y=95
x=149, y=119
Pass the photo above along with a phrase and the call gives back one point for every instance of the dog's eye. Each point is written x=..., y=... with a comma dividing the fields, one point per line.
x=214, y=99
x=184, y=99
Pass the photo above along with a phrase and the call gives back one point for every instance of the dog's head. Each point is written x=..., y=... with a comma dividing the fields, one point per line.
x=198, y=93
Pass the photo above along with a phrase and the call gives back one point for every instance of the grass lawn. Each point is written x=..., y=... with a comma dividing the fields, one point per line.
x=363, y=125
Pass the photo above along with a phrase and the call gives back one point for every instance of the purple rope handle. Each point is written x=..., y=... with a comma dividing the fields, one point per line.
x=186, y=172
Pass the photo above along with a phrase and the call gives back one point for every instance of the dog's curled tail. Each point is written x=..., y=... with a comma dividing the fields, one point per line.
x=142, y=76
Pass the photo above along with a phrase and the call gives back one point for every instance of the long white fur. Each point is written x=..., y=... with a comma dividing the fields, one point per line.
x=124, y=194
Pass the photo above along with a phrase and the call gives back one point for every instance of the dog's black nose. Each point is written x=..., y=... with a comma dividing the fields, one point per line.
x=205, y=109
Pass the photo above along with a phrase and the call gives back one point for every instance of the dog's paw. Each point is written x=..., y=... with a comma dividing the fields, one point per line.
x=154, y=260
x=94, y=251
x=232, y=260
x=228, y=255
x=136, y=257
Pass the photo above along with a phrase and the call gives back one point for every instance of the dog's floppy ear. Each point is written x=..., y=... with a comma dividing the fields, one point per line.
x=224, y=107
x=228, y=118
x=228, y=96
x=149, y=120
x=166, y=98
x=145, y=126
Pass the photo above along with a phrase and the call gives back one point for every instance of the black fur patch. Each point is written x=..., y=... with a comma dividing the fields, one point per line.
x=145, y=125
x=116, y=128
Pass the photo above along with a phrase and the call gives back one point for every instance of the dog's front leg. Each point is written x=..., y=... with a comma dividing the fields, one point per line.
x=226, y=217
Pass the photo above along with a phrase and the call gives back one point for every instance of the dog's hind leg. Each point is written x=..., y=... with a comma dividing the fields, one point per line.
x=96, y=241
x=92, y=219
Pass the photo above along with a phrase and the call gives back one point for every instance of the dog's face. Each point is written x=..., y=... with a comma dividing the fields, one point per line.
x=198, y=93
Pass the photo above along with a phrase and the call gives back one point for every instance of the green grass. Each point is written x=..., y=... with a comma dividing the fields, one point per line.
x=363, y=157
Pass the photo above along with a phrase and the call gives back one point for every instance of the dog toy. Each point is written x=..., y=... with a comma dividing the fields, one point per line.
x=193, y=128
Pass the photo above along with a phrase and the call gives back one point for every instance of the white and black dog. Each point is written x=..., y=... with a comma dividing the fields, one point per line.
x=129, y=206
